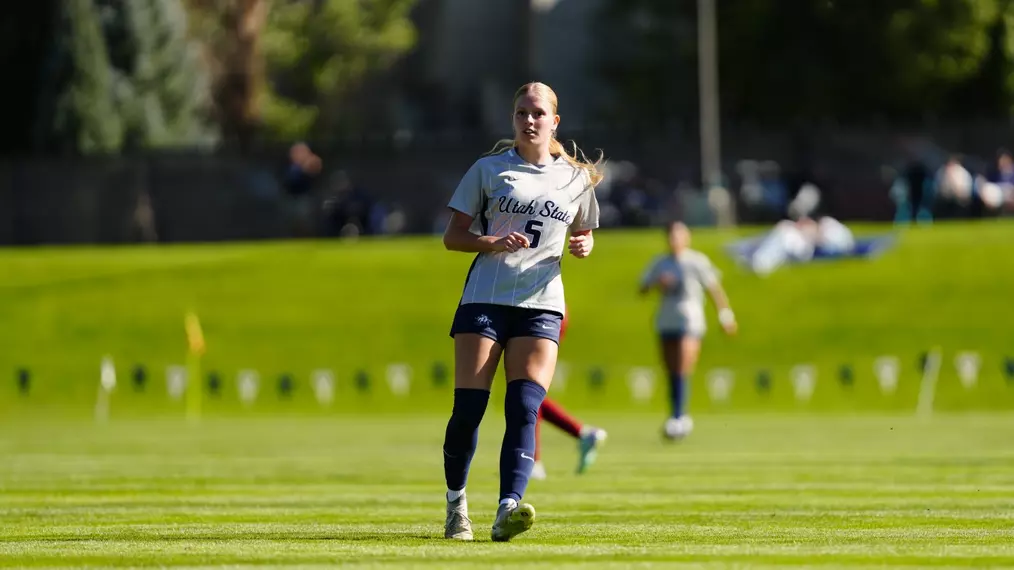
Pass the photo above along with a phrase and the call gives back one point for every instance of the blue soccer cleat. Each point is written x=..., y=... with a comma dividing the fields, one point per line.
x=588, y=446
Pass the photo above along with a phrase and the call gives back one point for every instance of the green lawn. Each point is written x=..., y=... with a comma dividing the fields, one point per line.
x=298, y=306
x=744, y=491
x=850, y=478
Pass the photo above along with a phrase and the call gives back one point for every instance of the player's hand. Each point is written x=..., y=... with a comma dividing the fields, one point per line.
x=728, y=320
x=667, y=281
x=581, y=246
x=511, y=242
x=731, y=328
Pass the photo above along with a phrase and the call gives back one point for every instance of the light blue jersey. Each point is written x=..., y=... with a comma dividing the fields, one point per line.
x=505, y=194
x=682, y=307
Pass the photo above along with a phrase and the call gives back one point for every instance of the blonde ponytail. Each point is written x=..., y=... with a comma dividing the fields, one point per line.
x=578, y=160
x=502, y=145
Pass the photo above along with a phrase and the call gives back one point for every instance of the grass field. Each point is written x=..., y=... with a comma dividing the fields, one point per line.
x=851, y=478
x=299, y=306
x=745, y=491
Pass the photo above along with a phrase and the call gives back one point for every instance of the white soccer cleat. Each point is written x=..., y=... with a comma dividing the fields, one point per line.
x=676, y=429
x=512, y=519
x=458, y=526
x=538, y=471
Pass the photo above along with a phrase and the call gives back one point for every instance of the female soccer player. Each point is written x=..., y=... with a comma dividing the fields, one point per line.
x=682, y=276
x=588, y=437
x=514, y=208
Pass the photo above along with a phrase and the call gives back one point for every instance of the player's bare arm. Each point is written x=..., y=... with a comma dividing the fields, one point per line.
x=457, y=237
x=725, y=315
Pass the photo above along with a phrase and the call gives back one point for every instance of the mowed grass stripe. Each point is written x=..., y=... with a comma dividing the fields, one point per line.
x=745, y=491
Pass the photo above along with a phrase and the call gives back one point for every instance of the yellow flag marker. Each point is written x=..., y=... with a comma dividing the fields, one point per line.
x=195, y=350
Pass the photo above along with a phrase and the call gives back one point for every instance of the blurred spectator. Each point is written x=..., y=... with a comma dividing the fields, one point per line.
x=301, y=172
x=953, y=190
x=989, y=197
x=751, y=193
x=776, y=194
x=395, y=221
x=918, y=184
x=349, y=211
x=762, y=191
x=806, y=202
x=634, y=196
x=721, y=205
x=632, y=199
x=898, y=194
x=143, y=222
x=1003, y=176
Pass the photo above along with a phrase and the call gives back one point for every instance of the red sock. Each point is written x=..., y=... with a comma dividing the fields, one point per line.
x=554, y=414
x=538, y=437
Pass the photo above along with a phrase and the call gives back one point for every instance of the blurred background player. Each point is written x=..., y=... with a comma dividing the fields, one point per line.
x=682, y=276
x=588, y=437
x=798, y=241
x=804, y=235
x=525, y=196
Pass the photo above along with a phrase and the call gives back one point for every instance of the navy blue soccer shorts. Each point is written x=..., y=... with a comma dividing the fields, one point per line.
x=503, y=322
x=677, y=334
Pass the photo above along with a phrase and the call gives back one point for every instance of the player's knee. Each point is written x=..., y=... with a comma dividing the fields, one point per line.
x=469, y=407
x=522, y=402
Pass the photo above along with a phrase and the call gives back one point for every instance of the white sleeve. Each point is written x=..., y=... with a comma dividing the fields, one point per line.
x=587, y=217
x=707, y=272
x=467, y=197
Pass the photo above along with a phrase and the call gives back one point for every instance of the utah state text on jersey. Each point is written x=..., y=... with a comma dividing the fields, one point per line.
x=506, y=205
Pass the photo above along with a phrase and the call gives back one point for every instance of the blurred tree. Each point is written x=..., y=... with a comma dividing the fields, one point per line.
x=230, y=34
x=122, y=75
x=229, y=31
x=807, y=58
x=287, y=67
x=162, y=88
x=923, y=50
x=1005, y=44
x=990, y=93
x=319, y=52
x=76, y=110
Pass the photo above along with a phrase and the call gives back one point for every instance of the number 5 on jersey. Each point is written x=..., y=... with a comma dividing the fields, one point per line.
x=532, y=229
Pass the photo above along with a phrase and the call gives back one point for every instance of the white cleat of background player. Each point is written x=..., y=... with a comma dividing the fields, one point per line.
x=676, y=429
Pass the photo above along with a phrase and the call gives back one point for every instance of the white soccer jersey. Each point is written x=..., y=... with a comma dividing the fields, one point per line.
x=682, y=307
x=505, y=193
x=834, y=236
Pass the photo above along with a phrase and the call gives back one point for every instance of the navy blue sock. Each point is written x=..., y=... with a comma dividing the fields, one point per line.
x=517, y=455
x=462, y=434
x=679, y=386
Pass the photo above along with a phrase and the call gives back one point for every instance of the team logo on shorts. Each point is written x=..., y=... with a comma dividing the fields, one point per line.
x=483, y=321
